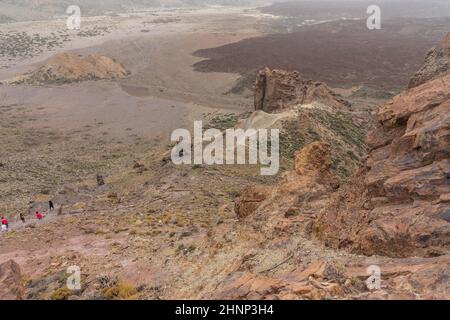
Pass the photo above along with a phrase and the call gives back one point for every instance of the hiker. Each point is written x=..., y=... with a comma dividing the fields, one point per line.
x=22, y=218
x=50, y=206
x=39, y=215
x=4, y=224
x=30, y=207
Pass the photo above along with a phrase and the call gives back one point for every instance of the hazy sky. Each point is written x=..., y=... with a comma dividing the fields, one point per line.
x=44, y=9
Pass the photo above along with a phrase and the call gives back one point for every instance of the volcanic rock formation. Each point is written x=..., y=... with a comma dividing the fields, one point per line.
x=277, y=90
x=395, y=210
x=399, y=205
x=436, y=64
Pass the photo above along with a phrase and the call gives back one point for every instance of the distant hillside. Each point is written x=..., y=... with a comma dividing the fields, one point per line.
x=20, y=10
x=335, y=9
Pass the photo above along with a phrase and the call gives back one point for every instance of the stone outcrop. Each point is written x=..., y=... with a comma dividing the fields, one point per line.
x=304, y=191
x=314, y=161
x=436, y=64
x=11, y=286
x=250, y=200
x=399, y=203
x=406, y=279
x=317, y=281
x=276, y=90
x=69, y=67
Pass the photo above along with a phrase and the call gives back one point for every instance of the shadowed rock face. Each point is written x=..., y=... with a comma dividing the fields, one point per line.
x=399, y=204
x=437, y=63
x=277, y=90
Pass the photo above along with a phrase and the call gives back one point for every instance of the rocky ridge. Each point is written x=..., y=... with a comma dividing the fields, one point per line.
x=401, y=206
x=394, y=211
x=436, y=64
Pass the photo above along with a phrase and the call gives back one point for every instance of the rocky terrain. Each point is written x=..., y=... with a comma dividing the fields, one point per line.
x=139, y=227
x=179, y=238
x=436, y=64
x=396, y=206
x=402, y=207
x=11, y=280
x=311, y=111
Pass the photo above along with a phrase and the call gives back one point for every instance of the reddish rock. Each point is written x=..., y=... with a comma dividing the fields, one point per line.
x=437, y=63
x=303, y=191
x=277, y=90
x=312, y=285
x=397, y=206
x=410, y=278
x=250, y=200
x=314, y=161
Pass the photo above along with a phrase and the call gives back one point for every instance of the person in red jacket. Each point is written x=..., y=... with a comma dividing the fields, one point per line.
x=39, y=215
x=4, y=224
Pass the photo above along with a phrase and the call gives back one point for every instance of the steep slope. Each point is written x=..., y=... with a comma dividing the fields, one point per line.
x=399, y=205
x=436, y=64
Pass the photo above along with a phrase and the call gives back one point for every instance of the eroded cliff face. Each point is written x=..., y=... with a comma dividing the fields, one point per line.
x=308, y=112
x=437, y=63
x=277, y=90
x=399, y=205
x=394, y=213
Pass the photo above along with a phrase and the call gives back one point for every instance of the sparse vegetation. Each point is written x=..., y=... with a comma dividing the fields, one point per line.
x=61, y=294
x=222, y=121
x=121, y=291
x=16, y=44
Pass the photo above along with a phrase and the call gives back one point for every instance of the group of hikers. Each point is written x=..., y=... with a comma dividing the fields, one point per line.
x=39, y=217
